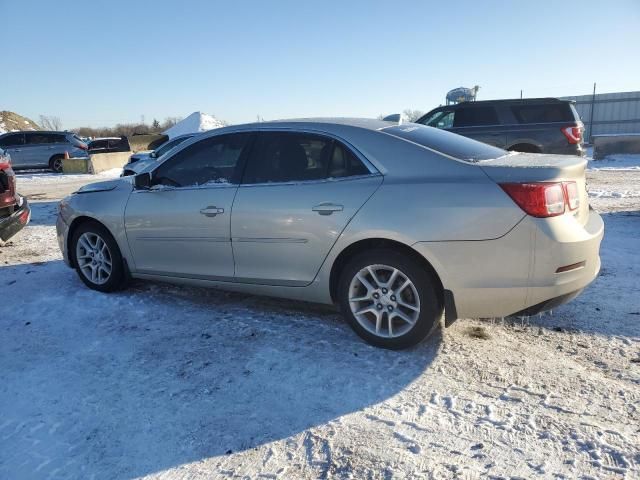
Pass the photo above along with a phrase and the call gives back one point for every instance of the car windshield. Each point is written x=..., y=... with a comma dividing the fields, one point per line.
x=169, y=145
x=456, y=146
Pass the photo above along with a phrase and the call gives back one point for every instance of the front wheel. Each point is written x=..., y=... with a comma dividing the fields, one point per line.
x=389, y=299
x=97, y=258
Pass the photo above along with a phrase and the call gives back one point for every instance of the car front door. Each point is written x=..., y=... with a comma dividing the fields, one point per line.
x=181, y=225
x=298, y=193
x=13, y=144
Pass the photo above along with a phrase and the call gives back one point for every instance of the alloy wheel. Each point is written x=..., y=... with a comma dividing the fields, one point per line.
x=384, y=301
x=94, y=258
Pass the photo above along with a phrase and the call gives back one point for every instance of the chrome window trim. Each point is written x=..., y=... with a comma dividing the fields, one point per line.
x=311, y=182
x=168, y=188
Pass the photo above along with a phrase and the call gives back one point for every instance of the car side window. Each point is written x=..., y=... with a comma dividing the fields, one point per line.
x=210, y=161
x=439, y=119
x=36, y=138
x=12, y=140
x=288, y=157
x=475, y=116
x=343, y=163
x=57, y=138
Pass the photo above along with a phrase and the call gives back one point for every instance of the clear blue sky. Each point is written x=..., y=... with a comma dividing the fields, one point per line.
x=98, y=63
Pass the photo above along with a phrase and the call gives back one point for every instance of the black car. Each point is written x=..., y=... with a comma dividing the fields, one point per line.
x=535, y=125
x=109, y=145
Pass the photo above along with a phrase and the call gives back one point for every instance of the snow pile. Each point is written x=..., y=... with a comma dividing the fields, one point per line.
x=196, y=122
x=598, y=193
x=622, y=161
x=40, y=177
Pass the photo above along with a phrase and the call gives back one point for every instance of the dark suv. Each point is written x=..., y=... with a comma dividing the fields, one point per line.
x=109, y=145
x=536, y=125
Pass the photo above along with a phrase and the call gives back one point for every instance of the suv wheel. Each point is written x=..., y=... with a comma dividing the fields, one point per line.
x=55, y=164
x=388, y=299
x=97, y=258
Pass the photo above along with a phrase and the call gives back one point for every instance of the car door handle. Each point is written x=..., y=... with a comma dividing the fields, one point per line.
x=327, y=208
x=211, y=211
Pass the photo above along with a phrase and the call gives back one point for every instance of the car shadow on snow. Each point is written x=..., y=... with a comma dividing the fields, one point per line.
x=156, y=376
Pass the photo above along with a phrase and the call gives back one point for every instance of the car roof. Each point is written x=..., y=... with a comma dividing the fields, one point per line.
x=515, y=101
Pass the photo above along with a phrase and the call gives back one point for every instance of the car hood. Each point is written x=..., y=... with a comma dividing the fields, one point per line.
x=140, y=156
x=100, y=186
x=140, y=165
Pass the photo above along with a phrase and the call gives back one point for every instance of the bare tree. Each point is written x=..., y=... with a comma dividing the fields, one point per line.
x=411, y=115
x=49, y=122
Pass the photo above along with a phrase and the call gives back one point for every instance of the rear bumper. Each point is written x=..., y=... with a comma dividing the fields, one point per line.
x=15, y=222
x=501, y=277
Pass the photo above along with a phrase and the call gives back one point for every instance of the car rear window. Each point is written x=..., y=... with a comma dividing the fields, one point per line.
x=475, y=116
x=557, y=112
x=456, y=146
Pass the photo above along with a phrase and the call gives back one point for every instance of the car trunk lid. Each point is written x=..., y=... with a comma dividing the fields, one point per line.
x=535, y=168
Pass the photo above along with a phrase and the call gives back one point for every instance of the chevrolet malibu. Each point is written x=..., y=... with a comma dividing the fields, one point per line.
x=400, y=225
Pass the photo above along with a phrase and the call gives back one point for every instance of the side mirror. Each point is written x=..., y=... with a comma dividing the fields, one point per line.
x=153, y=154
x=142, y=181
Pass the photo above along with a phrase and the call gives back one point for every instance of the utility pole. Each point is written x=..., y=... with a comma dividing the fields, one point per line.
x=520, y=94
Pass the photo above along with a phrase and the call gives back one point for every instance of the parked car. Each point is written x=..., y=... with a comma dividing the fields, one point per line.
x=139, y=161
x=39, y=149
x=14, y=209
x=109, y=145
x=534, y=125
x=395, y=223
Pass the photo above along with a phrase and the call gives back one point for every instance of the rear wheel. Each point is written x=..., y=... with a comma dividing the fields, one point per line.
x=55, y=164
x=97, y=258
x=389, y=300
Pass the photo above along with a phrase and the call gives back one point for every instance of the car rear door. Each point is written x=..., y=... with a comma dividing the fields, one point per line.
x=181, y=226
x=480, y=123
x=298, y=193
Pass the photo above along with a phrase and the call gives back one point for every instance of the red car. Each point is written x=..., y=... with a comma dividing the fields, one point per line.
x=14, y=209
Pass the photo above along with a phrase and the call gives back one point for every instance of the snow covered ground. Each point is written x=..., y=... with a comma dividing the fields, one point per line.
x=168, y=382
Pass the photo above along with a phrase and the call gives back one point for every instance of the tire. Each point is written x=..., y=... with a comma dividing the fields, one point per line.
x=394, y=305
x=105, y=279
x=55, y=163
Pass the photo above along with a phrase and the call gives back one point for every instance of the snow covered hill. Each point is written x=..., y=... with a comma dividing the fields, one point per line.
x=10, y=122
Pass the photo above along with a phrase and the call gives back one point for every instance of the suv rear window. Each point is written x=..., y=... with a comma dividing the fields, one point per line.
x=557, y=112
x=456, y=146
x=475, y=116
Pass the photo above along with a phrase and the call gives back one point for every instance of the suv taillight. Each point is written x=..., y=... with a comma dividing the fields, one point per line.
x=537, y=199
x=573, y=134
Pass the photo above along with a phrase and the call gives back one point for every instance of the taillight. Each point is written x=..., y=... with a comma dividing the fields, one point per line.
x=537, y=199
x=573, y=134
x=572, y=194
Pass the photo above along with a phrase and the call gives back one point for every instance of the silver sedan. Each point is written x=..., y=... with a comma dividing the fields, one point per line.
x=399, y=225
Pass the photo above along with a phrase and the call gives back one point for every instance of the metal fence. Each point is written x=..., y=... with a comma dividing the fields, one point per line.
x=607, y=113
